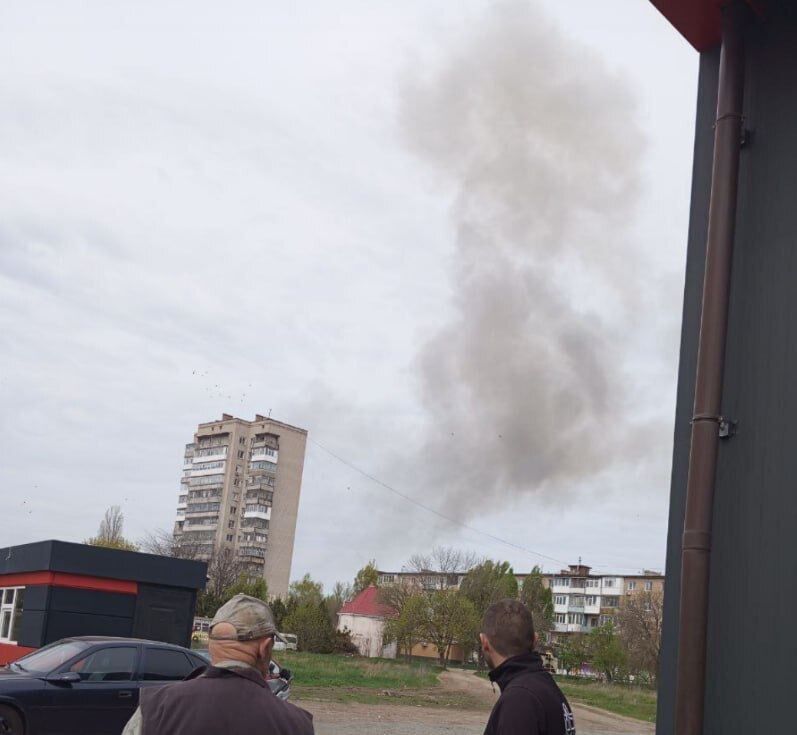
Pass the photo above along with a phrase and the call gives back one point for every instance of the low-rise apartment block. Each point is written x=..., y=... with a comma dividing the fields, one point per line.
x=582, y=600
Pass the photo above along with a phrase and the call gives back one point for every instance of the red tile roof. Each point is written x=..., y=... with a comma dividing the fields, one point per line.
x=367, y=603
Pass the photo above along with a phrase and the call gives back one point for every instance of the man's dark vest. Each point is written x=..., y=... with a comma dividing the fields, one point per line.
x=228, y=701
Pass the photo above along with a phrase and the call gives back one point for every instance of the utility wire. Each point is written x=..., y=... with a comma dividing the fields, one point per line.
x=412, y=500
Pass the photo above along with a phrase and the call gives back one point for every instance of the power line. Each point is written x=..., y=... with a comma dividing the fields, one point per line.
x=412, y=500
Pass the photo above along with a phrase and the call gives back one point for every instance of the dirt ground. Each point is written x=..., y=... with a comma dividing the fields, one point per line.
x=334, y=718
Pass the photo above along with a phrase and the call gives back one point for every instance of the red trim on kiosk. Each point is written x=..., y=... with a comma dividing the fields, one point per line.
x=698, y=21
x=11, y=652
x=75, y=581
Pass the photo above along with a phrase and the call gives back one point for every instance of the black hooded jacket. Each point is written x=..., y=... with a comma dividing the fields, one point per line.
x=530, y=702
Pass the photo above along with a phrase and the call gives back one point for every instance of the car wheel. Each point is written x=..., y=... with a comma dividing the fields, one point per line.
x=10, y=722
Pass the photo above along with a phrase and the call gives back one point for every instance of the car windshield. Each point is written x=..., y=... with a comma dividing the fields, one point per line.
x=51, y=657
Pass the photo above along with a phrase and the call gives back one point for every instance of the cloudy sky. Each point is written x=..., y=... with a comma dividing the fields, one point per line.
x=446, y=238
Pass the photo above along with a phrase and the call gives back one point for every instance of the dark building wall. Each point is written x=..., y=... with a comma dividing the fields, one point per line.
x=75, y=589
x=73, y=612
x=693, y=287
x=164, y=614
x=96, y=561
x=753, y=588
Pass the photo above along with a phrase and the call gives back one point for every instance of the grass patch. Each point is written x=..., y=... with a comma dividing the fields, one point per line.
x=313, y=670
x=622, y=699
x=332, y=678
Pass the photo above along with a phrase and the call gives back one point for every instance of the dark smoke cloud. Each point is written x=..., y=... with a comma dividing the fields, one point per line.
x=525, y=387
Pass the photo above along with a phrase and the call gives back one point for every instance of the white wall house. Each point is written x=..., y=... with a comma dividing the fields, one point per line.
x=365, y=618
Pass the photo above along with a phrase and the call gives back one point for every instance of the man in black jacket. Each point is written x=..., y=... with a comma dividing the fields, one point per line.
x=530, y=702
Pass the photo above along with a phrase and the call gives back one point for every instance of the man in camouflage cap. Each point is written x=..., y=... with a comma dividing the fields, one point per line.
x=231, y=696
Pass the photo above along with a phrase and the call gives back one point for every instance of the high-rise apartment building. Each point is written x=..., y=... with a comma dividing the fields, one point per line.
x=240, y=490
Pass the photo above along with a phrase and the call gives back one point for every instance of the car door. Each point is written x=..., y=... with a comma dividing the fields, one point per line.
x=161, y=665
x=103, y=700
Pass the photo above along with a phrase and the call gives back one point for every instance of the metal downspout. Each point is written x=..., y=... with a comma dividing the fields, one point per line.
x=707, y=420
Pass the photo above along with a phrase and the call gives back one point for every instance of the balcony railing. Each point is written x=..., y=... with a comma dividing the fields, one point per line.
x=252, y=551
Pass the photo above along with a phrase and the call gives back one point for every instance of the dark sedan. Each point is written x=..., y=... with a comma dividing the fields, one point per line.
x=86, y=685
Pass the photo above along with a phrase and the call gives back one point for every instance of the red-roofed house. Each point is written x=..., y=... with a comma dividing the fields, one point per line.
x=364, y=616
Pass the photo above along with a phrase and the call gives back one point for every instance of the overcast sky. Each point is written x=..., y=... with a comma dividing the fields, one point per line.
x=258, y=206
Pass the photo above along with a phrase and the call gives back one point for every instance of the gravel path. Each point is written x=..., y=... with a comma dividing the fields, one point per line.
x=334, y=718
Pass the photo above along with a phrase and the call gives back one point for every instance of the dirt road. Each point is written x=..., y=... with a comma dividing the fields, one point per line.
x=334, y=718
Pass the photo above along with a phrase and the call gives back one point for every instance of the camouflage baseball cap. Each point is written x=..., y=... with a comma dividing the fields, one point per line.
x=251, y=618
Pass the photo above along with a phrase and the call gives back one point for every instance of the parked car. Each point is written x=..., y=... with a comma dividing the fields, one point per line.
x=286, y=642
x=90, y=685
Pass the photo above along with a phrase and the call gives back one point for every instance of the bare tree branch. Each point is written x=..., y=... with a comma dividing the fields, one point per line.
x=639, y=626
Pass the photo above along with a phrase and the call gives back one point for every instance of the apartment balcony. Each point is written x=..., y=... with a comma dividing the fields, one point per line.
x=254, y=525
x=260, y=483
x=200, y=526
x=182, y=506
x=210, y=496
x=218, y=455
x=259, y=497
x=180, y=516
x=263, y=443
x=266, y=453
x=262, y=512
x=197, y=514
x=251, y=552
x=206, y=473
x=255, y=543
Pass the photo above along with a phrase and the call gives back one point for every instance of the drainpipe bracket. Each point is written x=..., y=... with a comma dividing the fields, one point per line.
x=726, y=428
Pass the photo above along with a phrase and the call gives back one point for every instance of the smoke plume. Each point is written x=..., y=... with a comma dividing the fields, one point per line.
x=525, y=385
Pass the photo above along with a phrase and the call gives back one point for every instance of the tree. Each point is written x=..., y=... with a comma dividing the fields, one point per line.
x=224, y=570
x=334, y=601
x=605, y=652
x=367, y=576
x=165, y=543
x=310, y=624
x=110, y=534
x=408, y=626
x=445, y=562
x=489, y=582
x=639, y=628
x=539, y=599
x=483, y=585
x=396, y=595
x=279, y=611
x=450, y=617
x=571, y=652
x=254, y=587
x=307, y=592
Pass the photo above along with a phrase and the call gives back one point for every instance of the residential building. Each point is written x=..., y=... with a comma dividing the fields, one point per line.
x=365, y=617
x=426, y=579
x=240, y=490
x=582, y=600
